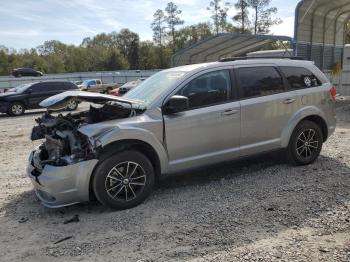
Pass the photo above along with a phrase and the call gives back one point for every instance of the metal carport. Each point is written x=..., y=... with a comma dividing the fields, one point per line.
x=320, y=29
x=221, y=46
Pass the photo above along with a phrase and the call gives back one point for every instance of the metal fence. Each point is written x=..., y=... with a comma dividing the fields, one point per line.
x=119, y=77
x=341, y=82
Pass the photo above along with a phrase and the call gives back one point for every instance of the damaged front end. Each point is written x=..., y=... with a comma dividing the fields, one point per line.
x=61, y=166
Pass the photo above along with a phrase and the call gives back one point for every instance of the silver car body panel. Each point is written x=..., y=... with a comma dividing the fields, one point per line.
x=59, y=186
x=199, y=136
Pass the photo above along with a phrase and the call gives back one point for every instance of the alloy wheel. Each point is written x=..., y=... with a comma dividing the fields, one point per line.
x=17, y=109
x=307, y=144
x=125, y=181
x=71, y=105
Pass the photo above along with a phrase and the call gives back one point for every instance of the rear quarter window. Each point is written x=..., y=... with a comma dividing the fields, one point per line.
x=259, y=81
x=300, y=77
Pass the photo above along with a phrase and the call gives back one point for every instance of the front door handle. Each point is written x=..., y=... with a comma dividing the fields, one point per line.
x=229, y=112
x=289, y=100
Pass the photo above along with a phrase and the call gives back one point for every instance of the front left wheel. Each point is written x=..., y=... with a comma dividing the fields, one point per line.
x=124, y=180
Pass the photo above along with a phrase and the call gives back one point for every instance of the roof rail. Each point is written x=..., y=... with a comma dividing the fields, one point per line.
x=260, y=57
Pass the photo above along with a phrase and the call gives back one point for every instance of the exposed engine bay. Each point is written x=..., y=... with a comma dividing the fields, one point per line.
x=64, y=144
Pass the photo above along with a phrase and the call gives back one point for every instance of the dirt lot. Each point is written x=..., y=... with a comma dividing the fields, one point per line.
x=259, y=209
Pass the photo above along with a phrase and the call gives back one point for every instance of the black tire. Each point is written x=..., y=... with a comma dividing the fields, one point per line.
x=72, y=105
x=113, y=190
x=305, y=143
x=16, y=109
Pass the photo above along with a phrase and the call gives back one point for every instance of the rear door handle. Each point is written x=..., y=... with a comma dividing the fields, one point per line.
x=289, y=100
x=229, y=112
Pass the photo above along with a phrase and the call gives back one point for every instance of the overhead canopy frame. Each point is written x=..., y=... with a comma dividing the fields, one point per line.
x=320, y=30
x=223, y=45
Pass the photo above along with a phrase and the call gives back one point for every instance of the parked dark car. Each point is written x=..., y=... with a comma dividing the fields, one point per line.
x=26, y=72
x=28, y=96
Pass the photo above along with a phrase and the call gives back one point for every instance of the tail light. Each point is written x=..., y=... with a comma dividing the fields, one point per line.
x=333, y=92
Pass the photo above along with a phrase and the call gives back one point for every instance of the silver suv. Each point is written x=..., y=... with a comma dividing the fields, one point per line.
x=179, y=118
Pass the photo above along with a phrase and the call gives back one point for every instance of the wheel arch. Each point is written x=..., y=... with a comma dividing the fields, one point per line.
x=22, y=102
x=320, y=122
x=127, y=144
x=312, y=114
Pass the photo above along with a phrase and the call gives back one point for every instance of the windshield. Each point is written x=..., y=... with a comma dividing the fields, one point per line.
x=22, y=88
x=152, y=87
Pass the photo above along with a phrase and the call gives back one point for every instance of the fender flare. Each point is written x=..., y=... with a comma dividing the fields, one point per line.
x=138, y=134
x=295, y=120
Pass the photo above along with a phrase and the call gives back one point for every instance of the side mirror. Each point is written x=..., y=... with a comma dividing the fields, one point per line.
x=29, y=91
x=176, y=104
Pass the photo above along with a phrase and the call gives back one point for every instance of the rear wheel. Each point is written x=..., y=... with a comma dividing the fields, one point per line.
x=305, y=144
x=16, y=109
x=123, y=180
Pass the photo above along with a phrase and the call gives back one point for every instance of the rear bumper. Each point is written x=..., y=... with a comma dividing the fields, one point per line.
x=58, y=186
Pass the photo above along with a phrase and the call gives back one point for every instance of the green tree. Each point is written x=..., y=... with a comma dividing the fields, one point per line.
x=241, y=18
x=219, y=15
x=103, y=39
x=158, y=26
x=127, y=42
x=191, y=34
x=263, y=19
x=148, y=57
x=173, y=20
x=115, y=60
x=4, y=63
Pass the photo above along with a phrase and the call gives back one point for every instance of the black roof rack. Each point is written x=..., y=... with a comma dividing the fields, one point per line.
x=260, y=57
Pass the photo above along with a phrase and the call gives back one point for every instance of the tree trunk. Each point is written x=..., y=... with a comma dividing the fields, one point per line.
x=160, y=32
x=216, y=21
x=243, y=14
x=173, y=34
x=256, y=20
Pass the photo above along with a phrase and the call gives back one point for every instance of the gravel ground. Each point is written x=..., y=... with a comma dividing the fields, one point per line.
x=259, y=209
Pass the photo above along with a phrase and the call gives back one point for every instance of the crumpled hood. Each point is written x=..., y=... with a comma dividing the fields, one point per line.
x=58, y=102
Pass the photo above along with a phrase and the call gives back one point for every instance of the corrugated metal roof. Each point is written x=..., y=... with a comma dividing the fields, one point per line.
x=222, y=45
x=320, y=30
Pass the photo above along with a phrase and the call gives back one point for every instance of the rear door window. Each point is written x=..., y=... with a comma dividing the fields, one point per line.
x=300, y=77
x=259, y=81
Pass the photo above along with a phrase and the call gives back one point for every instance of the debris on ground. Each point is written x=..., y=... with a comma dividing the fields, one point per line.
x=63, y=239
x=74, y=219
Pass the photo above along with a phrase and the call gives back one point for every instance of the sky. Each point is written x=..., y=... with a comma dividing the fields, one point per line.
x=28, y=23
